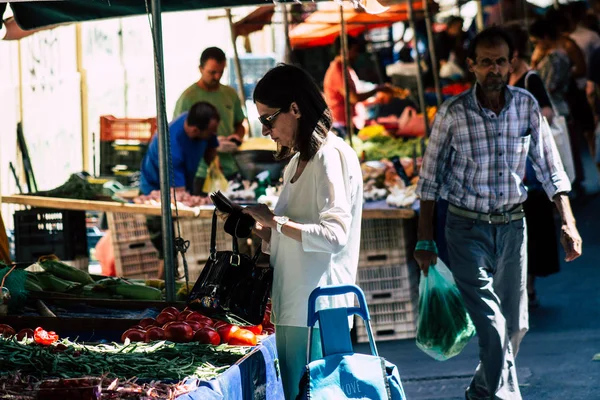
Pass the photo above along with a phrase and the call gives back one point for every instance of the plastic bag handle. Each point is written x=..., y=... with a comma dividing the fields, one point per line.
x=336, y=290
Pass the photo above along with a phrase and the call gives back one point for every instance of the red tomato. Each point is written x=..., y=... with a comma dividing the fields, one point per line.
x=146, y=322
x=6, y=330
x=138, y=327
x=134, y=335
x=171, y=310
x=183, y=315
x=178, y=332
x=219, y=324
x=225, y=331
x=242, y=337
x=196, y=316
x=256, y=329
x=196, y=325
x=154, y=333
x=165, y=317
x=25, y=333
x=207, y=335
x=40, y=336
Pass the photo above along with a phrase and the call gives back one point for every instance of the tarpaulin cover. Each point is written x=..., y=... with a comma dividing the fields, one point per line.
x=256, y=376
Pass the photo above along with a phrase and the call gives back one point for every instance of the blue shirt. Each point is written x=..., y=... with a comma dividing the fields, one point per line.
x=186, y=154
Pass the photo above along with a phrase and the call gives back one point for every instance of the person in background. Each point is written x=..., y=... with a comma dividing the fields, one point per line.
x=450, y=43
x=561, y=21
x=313, y=235
x=476, y=160
x=542, y=243
x=334, y=88
x=193, y=138
x=231, y=129
x=593, y=95
x=586, y=39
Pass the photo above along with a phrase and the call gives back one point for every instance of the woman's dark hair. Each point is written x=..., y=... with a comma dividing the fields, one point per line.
x=493, y=36
x=542, y=29
x=520, y=38
x=559, y=18
x=200, y=115
x=286, y=84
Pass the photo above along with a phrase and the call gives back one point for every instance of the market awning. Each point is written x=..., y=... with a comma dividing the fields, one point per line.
x=254, y=21
x=323, y=26
x=36, y=14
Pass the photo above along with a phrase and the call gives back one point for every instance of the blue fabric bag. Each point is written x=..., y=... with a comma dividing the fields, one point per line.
x=341, y=373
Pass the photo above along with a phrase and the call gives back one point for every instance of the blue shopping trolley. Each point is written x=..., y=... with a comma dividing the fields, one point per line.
x=341, y=373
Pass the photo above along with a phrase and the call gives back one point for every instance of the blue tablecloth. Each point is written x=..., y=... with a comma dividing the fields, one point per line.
x=256, y=376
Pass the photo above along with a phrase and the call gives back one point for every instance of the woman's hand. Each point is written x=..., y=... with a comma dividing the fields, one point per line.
x=262, y=214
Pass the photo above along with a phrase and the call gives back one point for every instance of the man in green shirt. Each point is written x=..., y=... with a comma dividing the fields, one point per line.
x=231, y=130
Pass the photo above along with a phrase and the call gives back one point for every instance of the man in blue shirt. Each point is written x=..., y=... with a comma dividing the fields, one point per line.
x=193, y=137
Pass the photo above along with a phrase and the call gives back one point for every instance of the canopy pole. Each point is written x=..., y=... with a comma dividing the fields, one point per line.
x=479, y=16
x=238, y=66
x=163, y=154
x=420, y=88
x=432, y=53
x=344, y=44
x=286, y=30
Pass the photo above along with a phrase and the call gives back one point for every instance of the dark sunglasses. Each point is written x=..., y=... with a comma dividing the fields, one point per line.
x=269, y=119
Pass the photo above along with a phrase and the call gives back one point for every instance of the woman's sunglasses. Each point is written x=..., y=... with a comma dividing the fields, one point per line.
x=269, y=119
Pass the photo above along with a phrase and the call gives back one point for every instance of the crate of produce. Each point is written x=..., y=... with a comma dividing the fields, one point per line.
x=117, y=156
x=135, y=255
x=387, y=282
x=140, y=129
x=390, y=320
x=386, y=242
x=40, y=232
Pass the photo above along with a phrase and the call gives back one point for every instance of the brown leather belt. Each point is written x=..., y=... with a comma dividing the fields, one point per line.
x=491, y=218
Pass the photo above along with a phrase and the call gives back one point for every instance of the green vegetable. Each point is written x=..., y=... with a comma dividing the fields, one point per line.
x=158, y=360
x=77, y=187
x=64, y=271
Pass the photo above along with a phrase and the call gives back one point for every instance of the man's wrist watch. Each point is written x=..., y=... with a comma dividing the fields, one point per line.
x=281, y=221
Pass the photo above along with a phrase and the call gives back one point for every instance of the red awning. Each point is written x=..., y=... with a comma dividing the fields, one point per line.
x=254, y=21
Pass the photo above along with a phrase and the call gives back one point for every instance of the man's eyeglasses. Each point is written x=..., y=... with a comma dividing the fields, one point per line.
x=269, y=119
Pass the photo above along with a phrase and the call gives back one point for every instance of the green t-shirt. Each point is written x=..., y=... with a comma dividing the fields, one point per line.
x=227, y=102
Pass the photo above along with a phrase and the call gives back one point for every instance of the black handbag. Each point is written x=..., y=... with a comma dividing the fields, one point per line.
x=232, y=284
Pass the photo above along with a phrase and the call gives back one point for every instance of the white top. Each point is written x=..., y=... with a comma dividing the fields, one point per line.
x=327, y=199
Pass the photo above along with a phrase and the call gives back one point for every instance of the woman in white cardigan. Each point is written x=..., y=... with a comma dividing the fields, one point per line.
x=314, y=234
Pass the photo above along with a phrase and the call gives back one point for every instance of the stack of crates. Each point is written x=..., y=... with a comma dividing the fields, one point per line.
x=135, y=255
x=389, y=277
x=197, y=231
x=41, y=232
x=123, y=144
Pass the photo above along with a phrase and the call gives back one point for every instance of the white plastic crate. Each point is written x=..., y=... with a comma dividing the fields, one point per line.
x=388, y=281
x=386, y=241
x=390, y=320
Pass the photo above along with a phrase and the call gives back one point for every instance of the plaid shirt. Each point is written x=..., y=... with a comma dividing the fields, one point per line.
x=476, y=159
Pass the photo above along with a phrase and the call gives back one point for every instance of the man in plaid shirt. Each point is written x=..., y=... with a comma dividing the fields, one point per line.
x=475, y=160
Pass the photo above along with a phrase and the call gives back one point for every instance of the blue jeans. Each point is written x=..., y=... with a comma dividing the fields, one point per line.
x=489, y=264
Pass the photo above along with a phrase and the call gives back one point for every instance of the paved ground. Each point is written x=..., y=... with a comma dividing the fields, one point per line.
x=555, y=362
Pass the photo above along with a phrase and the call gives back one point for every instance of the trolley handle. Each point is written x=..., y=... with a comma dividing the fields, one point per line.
x=336, y=290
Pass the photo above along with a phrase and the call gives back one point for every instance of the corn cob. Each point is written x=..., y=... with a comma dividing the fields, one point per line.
x=155, y=283
x=51, y=283
x=65, y=271
x=137, y=292
x=32, y=286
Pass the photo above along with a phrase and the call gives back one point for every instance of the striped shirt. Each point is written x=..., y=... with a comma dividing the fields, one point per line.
x=476, y=159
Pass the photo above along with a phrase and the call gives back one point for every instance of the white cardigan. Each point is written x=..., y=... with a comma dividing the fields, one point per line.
x=327, y=199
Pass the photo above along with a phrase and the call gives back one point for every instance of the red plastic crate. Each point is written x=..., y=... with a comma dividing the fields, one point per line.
x=112, y=128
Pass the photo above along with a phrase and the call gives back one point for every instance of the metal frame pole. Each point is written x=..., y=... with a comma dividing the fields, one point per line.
x=286, y=31
x=344, y=44
x=238, y=67
x=420, y=88
x=432, y=53
x=163, y=155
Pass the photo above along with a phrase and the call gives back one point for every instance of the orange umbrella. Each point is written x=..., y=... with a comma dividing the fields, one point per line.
x=323, y=26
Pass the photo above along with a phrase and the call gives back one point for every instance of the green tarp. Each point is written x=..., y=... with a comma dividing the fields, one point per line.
x=36, y=14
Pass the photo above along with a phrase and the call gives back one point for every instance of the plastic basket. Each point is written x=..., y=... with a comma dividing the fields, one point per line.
x=115, y=156
x=112, y=128
x=40, y=232
x=386, y=241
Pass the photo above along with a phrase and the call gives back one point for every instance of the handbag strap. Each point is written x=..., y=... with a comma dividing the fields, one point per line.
x=213, y=237
x=532, y=72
